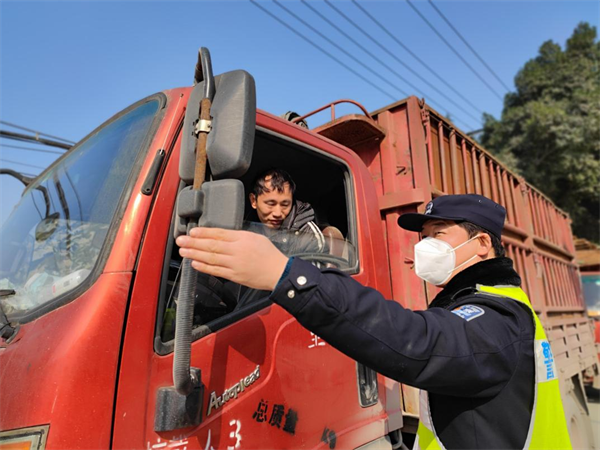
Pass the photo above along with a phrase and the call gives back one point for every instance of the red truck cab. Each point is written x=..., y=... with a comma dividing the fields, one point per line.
x=90, y=258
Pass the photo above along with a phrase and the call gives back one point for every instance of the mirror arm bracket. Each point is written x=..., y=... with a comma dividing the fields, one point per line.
x=203, y=126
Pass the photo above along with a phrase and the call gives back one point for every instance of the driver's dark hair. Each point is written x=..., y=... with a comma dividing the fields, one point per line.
x=473, y=230
x=278, y=178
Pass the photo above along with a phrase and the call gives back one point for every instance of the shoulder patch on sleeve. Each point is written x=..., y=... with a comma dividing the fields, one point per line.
x=468, y=312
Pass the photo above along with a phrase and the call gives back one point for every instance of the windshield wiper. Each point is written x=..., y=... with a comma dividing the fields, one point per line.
x=6, y=331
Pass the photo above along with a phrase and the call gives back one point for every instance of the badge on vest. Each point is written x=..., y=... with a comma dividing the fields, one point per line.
x=546, y=369
x=468, y=312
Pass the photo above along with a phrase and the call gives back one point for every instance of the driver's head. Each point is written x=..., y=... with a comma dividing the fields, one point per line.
x=272, y=197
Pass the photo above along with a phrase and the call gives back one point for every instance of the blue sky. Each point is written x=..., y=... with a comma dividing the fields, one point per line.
x=67, y=66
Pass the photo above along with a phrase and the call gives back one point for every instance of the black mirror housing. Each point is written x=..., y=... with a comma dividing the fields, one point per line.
x=218, y=204
x=231, y=140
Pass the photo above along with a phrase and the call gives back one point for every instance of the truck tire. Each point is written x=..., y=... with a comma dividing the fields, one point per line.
x=578, y=422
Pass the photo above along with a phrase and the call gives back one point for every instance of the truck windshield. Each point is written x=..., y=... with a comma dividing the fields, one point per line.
x=52, y=239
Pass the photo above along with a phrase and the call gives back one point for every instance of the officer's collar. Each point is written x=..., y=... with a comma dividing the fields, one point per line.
x=491, y=272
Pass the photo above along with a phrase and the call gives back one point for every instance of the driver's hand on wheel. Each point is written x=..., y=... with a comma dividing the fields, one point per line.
x=240, y=256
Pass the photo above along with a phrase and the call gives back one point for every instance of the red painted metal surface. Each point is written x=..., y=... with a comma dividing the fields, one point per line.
x=456, y=164
x=62, y=367
x=61, y=370
x=79, y=368
x=125, y=249
x=313, y=382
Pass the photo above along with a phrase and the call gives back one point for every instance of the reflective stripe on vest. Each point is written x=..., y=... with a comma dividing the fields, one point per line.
x=548, y=426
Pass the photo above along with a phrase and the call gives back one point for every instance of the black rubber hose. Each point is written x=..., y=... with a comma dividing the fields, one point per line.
x=182, y=378
x=209, y=79
x=198, y=75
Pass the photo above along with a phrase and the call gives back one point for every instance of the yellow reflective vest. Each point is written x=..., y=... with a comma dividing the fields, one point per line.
x=548, y=426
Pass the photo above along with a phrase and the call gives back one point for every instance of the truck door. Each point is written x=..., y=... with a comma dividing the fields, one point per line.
x=268, y=382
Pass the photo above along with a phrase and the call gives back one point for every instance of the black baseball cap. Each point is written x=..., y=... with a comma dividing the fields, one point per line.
x=477, y=209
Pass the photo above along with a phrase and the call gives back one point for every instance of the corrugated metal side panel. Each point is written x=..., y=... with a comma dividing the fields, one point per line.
x=401, y=180
x=425, y=156
x=573, y=344
x=395, y=171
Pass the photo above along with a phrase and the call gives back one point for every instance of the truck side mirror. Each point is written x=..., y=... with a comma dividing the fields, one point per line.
x=231, y=139
x=219, y=203
x=219, y=124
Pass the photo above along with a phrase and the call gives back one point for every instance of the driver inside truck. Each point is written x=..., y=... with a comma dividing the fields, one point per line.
x=288, y=222
x=276, y=214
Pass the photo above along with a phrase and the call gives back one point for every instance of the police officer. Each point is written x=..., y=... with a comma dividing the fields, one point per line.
x=478, y=353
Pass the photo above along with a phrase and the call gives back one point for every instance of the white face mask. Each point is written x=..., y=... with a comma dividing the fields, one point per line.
x=435, y=260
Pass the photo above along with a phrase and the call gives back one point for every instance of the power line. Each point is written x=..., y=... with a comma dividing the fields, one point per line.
x=386, y=65
x=28, y=138
x=454, y=50
x=468, y=45
x=35, y=131
x=22, y=164
x=31, y=149
x=408, y=50
x=474, y=132
x=328, y=54
x=348, y=54
x=396, y=59
x=351, y=39
x=394, y=98
x=322, y=50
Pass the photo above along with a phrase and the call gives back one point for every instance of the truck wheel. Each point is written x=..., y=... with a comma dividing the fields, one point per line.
x=578, y=422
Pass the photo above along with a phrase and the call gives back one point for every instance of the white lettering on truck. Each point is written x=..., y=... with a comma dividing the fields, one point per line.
x=216, y=402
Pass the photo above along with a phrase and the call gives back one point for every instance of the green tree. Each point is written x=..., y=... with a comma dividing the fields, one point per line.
x=550, y=127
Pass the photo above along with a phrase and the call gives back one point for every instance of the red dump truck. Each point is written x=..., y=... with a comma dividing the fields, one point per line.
x=96, y=351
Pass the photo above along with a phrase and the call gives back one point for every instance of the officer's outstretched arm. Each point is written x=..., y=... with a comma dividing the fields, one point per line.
x=435, y=349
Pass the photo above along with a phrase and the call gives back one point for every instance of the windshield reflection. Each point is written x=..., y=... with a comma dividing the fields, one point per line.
x=53, y=238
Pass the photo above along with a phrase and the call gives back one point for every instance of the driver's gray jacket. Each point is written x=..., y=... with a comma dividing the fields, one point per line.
x=298, y=233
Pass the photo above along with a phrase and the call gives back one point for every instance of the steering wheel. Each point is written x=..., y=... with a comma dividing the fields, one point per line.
x=323, y=257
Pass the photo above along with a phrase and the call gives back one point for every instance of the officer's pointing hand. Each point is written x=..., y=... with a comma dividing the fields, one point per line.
x=240, y=256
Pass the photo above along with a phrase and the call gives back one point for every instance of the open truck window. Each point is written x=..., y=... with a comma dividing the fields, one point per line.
x=53, y=239
x=322, y=181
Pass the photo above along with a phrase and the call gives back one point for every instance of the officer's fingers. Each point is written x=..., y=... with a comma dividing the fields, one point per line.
x=215, y=271
x=220, y=234
x=205, y=245
x=206, y=257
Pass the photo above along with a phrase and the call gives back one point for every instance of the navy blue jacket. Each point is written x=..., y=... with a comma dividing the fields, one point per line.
x=479, y=372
